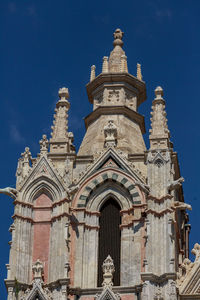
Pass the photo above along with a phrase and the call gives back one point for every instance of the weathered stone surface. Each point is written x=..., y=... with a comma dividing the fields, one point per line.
x=59, y=195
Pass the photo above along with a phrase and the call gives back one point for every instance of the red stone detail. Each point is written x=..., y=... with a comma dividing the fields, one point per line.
x=127, y=297
x=41, y=231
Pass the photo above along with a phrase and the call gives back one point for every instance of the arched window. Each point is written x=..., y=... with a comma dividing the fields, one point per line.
x=109, y=238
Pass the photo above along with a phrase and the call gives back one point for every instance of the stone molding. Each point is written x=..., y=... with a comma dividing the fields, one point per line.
x=158, y=278
x=116, y=110
x=117, y=77
x=158, y=213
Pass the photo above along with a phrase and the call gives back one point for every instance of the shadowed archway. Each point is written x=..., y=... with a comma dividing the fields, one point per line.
x=109, y=238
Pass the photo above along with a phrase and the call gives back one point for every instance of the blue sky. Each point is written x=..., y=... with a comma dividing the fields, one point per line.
x=48, y=44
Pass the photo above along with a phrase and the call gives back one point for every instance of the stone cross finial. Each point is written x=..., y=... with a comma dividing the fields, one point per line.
x=118, y=35
x=44, y=144
x=37, y=269
x=92, y=74
x=139, y=72
x=110, y=132
x=108, y=270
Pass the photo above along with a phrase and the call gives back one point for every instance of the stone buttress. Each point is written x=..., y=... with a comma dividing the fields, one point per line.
x=108, y=221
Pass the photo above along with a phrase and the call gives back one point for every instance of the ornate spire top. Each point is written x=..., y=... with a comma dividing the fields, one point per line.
x=117, y=54
x=118, y=35
x=159, y=134
x=63, y=95
x=59, y=142
x=159, y=92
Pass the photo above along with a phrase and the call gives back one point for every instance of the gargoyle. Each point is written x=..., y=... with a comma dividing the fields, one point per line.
x=176, y=184
x=72, y=189
x=182, y=205
x=144, y=187
x=11, y=192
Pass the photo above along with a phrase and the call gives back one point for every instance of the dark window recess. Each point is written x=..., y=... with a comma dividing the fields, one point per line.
x=109, y=239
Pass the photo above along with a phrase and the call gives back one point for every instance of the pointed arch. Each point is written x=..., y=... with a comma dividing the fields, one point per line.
x=109, y=238
x=113, y=178
x=42, y=184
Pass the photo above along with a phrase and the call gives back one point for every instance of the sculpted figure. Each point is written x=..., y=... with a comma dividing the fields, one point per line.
x=11, y=192
x=176, y=184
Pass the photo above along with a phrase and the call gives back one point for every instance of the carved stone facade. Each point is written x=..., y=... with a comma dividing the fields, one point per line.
x=61, y=202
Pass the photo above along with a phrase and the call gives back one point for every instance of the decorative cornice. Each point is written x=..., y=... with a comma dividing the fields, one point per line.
x=87, y=212
x=117, y=77
x=158, y=278
x=159, y=199
x=30, y=205
x=116, y=110
x=159, y=213
x=87, y=226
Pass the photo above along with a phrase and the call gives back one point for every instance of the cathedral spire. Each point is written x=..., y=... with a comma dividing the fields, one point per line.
x=159, y=132
x=116, y=96
x=60, y=140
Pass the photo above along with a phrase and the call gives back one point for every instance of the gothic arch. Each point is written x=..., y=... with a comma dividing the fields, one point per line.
x=121, y=181
x=109, y=238
x=43, y=183
x=106, y=191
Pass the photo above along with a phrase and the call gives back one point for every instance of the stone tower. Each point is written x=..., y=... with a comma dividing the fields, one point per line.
x=108, y=221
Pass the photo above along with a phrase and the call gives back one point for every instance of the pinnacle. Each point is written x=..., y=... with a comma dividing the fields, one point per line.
x=63, y=93
x=159, y=133
x=159, y=92
x=118, y=35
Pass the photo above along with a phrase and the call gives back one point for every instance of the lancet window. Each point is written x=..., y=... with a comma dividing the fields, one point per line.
x=109, y=238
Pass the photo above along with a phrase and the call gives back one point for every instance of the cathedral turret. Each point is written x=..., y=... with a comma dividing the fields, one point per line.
x=115, y=95
x=61, y=141
x=109, y=222
x=159, y=137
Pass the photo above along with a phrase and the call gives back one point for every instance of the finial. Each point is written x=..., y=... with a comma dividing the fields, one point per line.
x=63, y=93
x=44, y=144
x=159, y=132
x=118, y=35
x=108, y=270
x=124, y=67
x=105, y=64
x=92, y=74
x=159, y=92
x=37, y=269
x=139, y=72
